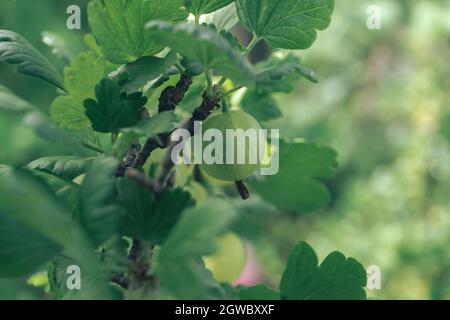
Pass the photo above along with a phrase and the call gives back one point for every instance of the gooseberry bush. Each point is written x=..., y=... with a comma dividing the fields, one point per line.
x=115, y=206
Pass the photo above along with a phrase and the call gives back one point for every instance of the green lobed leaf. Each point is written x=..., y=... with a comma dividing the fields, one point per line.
x=118, y=25
x=224, y=19
x=80, y=78
x=135, y=75
x=298, y=186
x=199, y=7
x=14, y=49
x=98, y=212
x=260, y=105
x=148, y=217
x=279, y=75
x=64, y=167
x=178, y=263
x=113, y=111
x=227, y=35
x=202, y=44
x=337, y=277
x=285, y=24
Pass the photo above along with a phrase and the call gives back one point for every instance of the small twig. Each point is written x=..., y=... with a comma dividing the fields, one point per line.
x=243, y=190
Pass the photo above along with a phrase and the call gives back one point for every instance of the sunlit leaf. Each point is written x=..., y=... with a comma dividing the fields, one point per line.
x=285, y=24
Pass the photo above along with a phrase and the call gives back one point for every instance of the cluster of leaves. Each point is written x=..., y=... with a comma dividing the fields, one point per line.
x=111, y=206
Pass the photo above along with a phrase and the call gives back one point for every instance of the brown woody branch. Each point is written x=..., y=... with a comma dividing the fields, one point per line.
x=169, y=99
x=130, y=158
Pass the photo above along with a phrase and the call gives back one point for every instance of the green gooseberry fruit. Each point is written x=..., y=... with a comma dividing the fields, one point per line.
x=231, y=171
x=230, y=259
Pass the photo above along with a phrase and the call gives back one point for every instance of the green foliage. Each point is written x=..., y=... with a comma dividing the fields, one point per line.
x=64, y=167
x=149, y=217
x=285, y=24
x=135, y=75
x=179, y=264
x=202, y=44
x=14, y=49
x=119, y=26
x=22, y=250
x=113, y=111
x=337, y=277
x=37, y=121
x=113, y=204
x=199, y=7
x=260, y=105
x=30, y=203
x=80, y=78
x=98, y=213
x=279, y=75
x=303, y=191
x=223, y=19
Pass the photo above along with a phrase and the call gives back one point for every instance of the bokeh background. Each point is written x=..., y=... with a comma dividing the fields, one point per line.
x=383, y=104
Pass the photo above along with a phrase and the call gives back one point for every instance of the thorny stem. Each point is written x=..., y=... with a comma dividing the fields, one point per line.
x=131, y=156
x=200, y=114
x=169, y=99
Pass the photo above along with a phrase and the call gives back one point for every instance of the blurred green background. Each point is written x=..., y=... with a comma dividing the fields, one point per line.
x=383, y=104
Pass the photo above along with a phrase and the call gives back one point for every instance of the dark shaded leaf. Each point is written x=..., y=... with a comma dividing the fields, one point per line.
x=148, y=217
x=113, y=111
